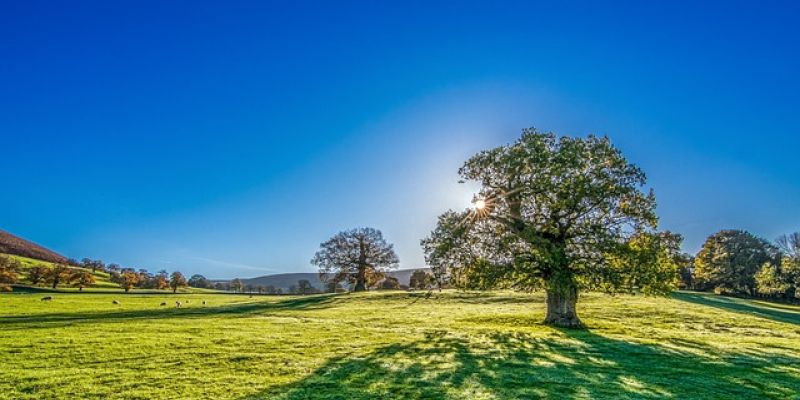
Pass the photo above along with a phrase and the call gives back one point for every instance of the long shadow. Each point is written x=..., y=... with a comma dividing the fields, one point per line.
x=51, y=320
x=573, y=364
x=777, y=312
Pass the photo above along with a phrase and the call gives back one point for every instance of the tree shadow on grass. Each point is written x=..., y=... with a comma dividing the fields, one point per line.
x=566, y=364
x=774, y=312
x=52, y=320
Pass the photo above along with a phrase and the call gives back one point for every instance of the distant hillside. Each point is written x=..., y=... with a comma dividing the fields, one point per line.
x=10, y=244
x=285, y=280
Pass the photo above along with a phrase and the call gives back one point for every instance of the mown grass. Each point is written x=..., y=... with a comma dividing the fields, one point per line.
x=394, y=345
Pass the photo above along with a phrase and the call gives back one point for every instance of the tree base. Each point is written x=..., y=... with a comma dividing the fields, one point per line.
x=561, y=308
x=569, y=323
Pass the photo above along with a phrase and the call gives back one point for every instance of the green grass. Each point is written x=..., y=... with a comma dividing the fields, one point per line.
x=394, y=345
x=103, y=283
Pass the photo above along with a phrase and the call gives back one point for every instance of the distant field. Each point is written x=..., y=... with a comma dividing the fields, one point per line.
x=394, y=345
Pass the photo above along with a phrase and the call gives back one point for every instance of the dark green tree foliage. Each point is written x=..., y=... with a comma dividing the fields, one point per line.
x=420, y=280
x=558, y=213
x=200, y=281
x=390, y=283
x=359, y=257
x=729, y=261
x=304, y=286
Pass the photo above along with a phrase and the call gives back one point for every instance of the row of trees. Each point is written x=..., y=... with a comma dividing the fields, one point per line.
x=58, y=274
x=740, y=263
x=82, y=274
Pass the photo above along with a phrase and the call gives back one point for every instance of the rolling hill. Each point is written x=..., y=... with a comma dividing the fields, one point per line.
x=14, y=245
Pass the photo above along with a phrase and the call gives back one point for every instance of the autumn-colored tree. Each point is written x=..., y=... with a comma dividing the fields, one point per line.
x=161, y=280
x=57, y=274
x=128, y=279
x=358, y=256
x=551, y=212
x=9, y=271
x=177, y=280
x=37, y=273
x=82, y=278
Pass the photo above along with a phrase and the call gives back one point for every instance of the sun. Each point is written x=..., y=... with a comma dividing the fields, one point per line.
x=480, y=205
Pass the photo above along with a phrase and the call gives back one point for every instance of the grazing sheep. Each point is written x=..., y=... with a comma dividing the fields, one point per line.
x=47, y=298
x=163, y=304
x=178, y=304
x=114, y=302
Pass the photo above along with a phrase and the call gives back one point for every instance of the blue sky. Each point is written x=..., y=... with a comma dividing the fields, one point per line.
x=231, y=138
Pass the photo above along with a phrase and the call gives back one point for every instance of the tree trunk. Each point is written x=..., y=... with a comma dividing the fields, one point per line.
x=562, y=297
x=361, y=280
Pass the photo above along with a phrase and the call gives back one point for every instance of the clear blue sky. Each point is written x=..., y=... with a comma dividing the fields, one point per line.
x=231, y=138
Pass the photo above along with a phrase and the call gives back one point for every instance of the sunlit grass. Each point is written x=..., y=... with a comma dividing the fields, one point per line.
x=393, y=345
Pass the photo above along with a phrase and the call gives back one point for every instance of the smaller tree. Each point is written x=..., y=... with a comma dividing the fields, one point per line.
x=58, y=274
x=420, y=280
x=304, y=286
x=199, y=281
x=177, y=280
x=237, y=285
x=390, y=283
x=93, y=265
x=333, y=287
x=82, y=278
x=128, y=280
x=9, y=270
x=161, y=280
x=37, y=273
x=770, y=282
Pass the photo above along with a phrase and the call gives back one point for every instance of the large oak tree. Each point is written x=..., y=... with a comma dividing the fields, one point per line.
x=557, y=213
x=355, y=256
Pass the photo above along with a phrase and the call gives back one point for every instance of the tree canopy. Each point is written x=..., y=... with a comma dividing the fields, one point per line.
x=558, y=213
x=358, y=256
x=730, y=259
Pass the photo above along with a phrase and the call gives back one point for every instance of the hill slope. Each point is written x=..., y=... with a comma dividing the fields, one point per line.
x=285, y=280
x=10, y=244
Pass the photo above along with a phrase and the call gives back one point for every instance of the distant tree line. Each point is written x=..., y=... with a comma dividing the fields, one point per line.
x=736, y=262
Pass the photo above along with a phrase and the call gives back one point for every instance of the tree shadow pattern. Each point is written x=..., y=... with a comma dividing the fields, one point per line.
x=775, y=312
x=52, y=320
x=568, y=364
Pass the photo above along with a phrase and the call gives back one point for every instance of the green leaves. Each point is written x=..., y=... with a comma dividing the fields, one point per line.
x=554, y=205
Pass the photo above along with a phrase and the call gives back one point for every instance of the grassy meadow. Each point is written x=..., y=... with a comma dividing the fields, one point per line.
x=391, y=345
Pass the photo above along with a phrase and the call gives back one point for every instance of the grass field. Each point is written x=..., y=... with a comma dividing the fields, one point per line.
x=394, y=345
